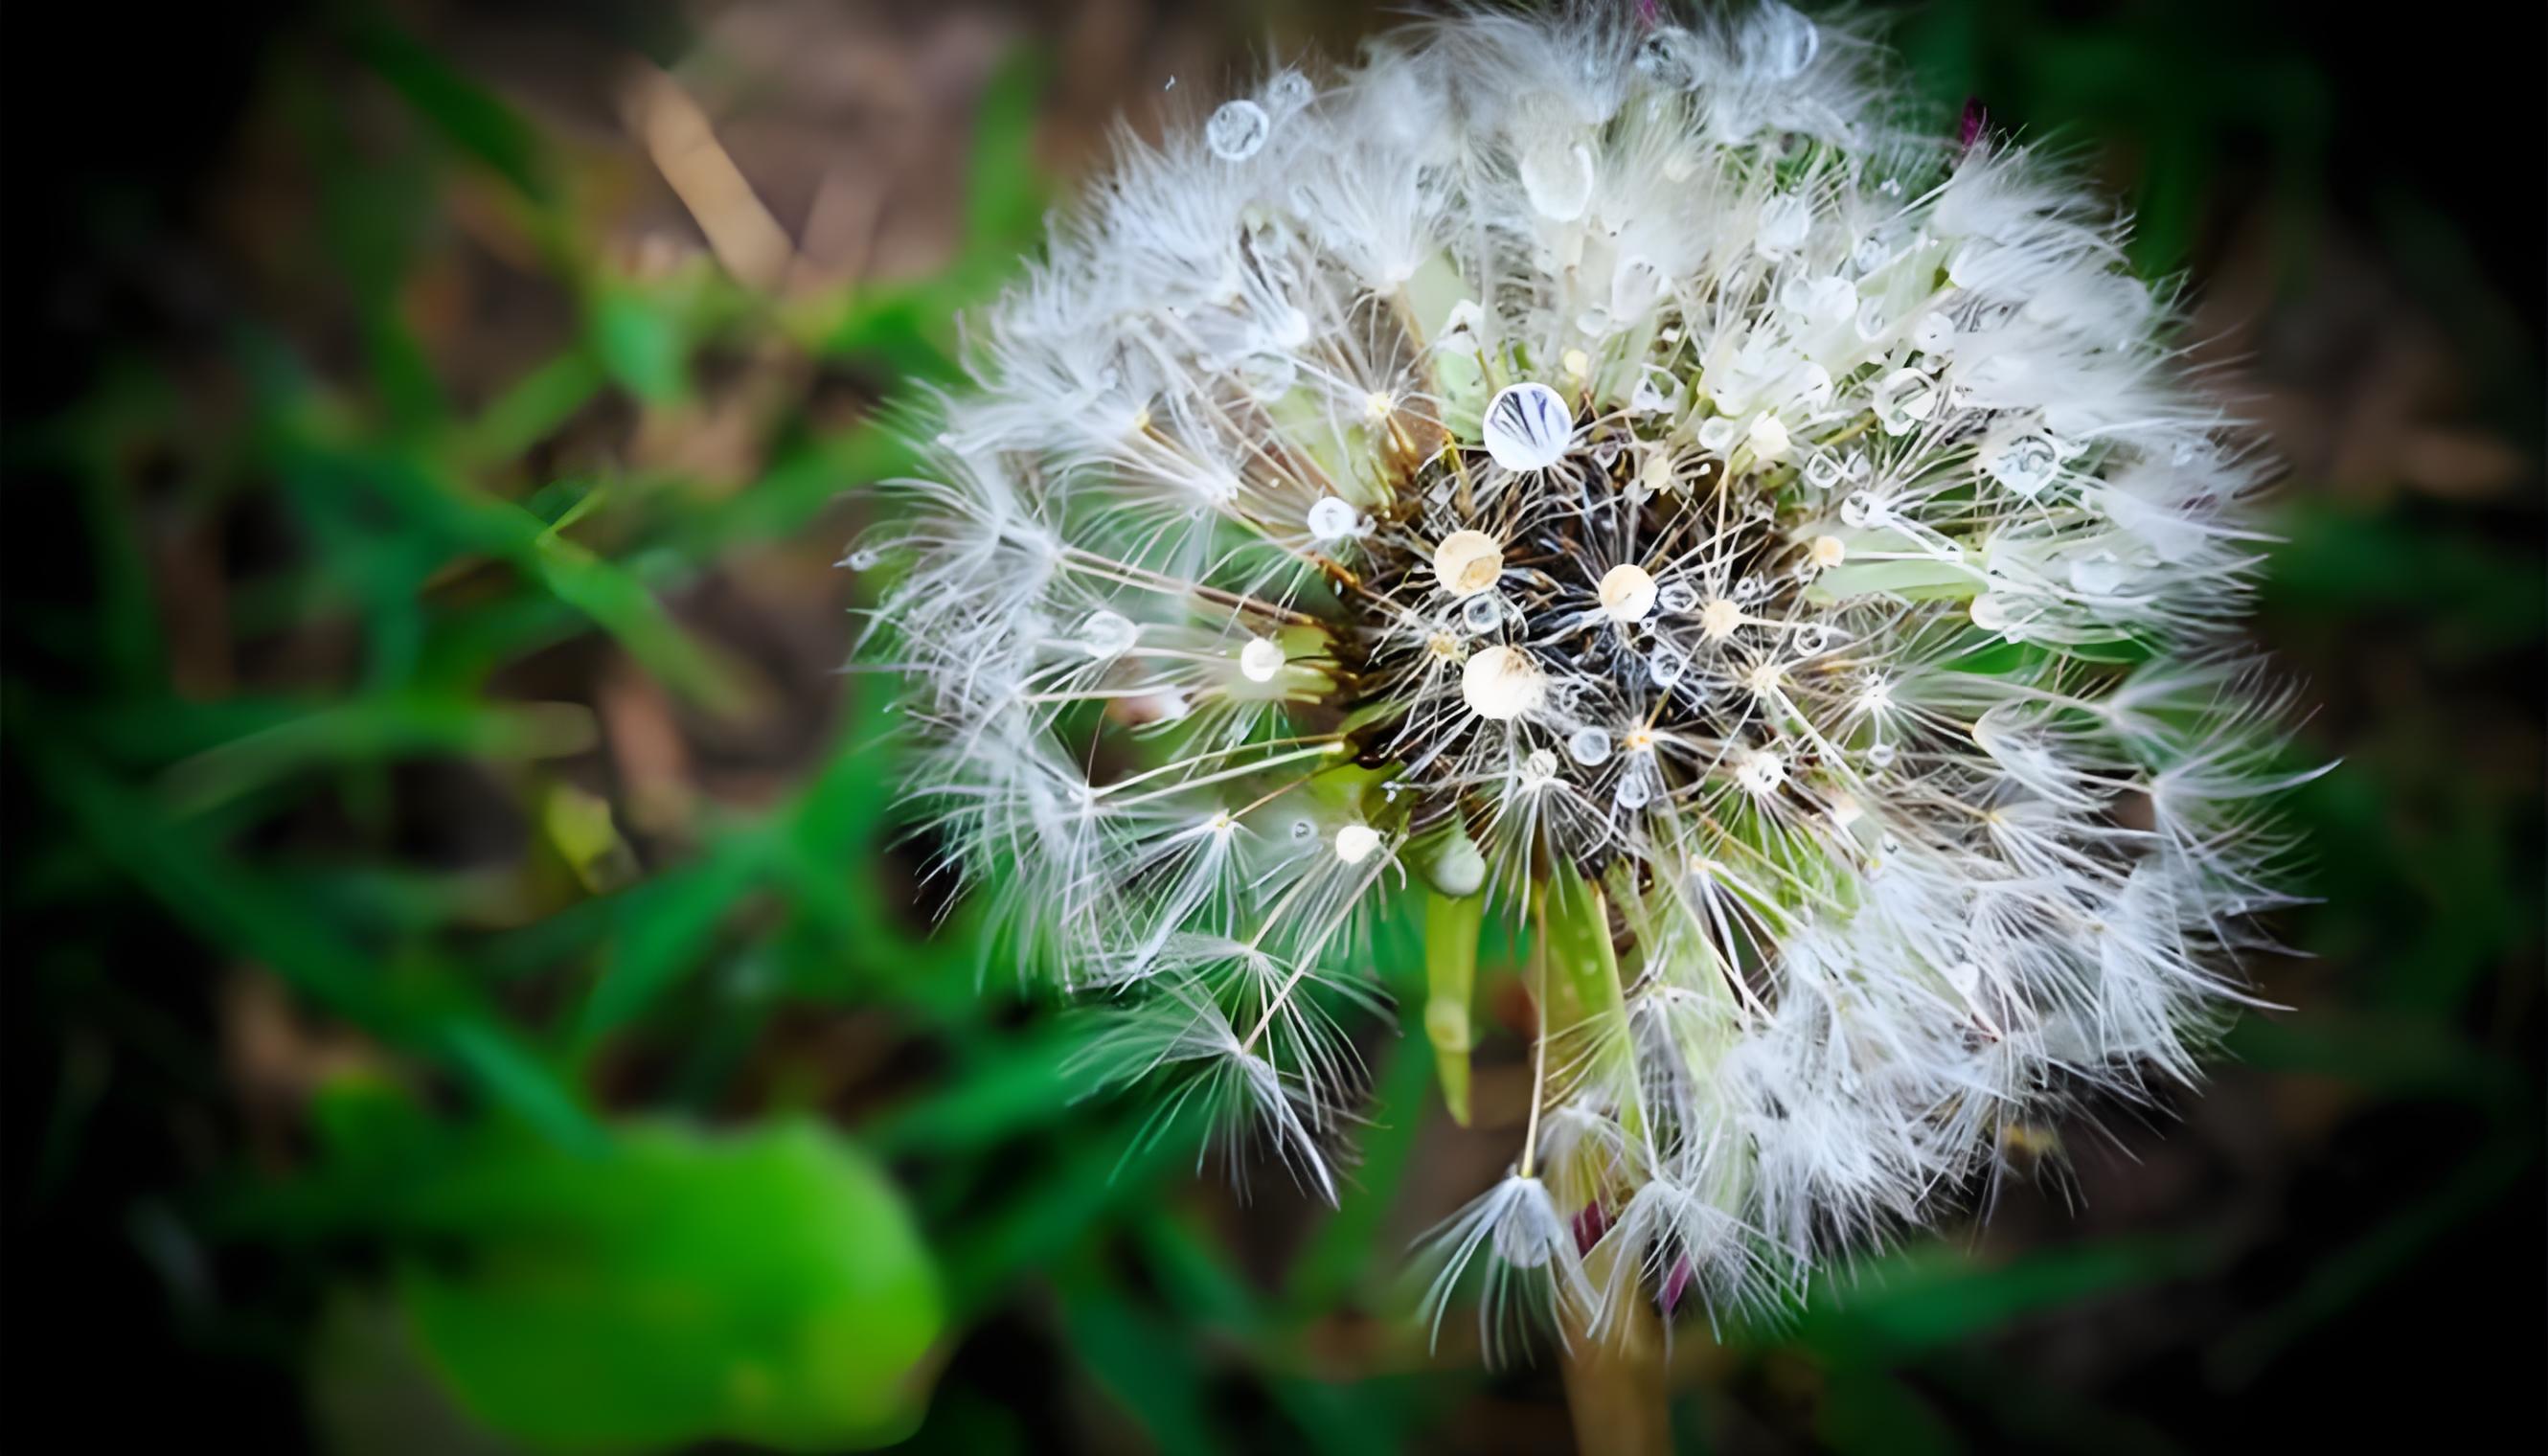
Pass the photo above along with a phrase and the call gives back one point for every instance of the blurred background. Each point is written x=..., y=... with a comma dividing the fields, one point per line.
x=466, y=990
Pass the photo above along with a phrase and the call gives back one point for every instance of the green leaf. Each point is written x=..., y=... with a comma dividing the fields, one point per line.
x=468, y=115
x=678, y=1288
x=641, y=342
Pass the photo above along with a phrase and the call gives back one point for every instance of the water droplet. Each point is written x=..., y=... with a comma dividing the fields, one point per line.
x=1786, y=222
x=1269, y=376
x=1676, y=596
x=1528, y=427
x=1822, y=472
x=1107, y=634
x=1634, y=792
x=1288, y=92
x=864, y=559
x=1503, y=684
x=1664, y=58
x=2023, y=463
x=1872, y=321
x=1825, y=300
x=1590, y=747
x=1627, y=593
x=1237, y=131
x=1879, y=755
x=1260, y=659
x=1904, y=400
x=1635, y=288
x=1761, y=770
x=1782, y=42
x=1658, y=391
x=2099, y=575
x=1332, y=520
x=1861, y=509
x=1813, y=640
x=1355, y=843
x=1482, y=612
x=1557, y=178
x=1665, y=665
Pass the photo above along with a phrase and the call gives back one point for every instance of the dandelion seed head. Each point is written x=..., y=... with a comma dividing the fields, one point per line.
x=1620, y=459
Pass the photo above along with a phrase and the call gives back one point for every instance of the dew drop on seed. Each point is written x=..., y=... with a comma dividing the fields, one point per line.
x=2022, y=464
x=1822, y=472
x=1658, y=389
x=1260, y=660
x=1782, y=42
x=1879, y=755
x=1860, y=510
x=1237, y=131
x=1528, y=427
x=1677, y=597
x=1332, y=520
x=1482, y=612
x=1289, y=92
x=1664, y=57
x=1557, y=178
x=1107, y=634
x=1269, y=376
x=1665, y=665
x=864, y=559
x=1786, y=222
x=1633, y=793
x=2099, y=575
x=1590, y=747
x=1813, y=640
x=1304, y=829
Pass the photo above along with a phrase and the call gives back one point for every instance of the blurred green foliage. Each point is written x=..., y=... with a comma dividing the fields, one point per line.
x=573, y=1255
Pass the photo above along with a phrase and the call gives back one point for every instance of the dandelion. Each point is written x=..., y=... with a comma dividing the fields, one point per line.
x=1614, y=477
